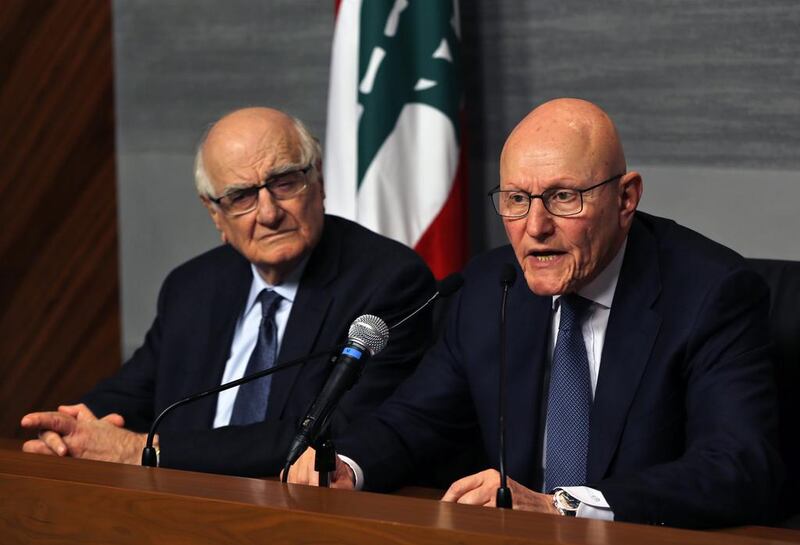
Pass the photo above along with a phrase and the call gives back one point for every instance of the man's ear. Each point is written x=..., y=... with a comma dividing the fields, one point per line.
x=630, y=193
x=320, y=179
x=216, y=217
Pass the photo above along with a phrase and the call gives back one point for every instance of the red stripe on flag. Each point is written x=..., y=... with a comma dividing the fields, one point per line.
x=445, y=244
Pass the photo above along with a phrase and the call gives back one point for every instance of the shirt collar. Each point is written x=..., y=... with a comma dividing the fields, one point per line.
x=601, y=289
x=286, y=289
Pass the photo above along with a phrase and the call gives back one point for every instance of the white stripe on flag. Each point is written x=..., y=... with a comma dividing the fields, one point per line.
x=409, y=180
x=341, y=135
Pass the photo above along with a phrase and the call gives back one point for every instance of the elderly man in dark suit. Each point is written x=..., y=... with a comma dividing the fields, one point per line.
x=639, y=386
x=288, y=281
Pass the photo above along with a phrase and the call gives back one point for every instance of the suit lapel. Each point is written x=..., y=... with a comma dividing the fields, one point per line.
x=310, y=308
x=631, y=332
x=229, y=297
x=528, y=323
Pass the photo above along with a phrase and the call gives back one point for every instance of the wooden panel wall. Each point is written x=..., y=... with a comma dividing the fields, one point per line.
x=59, y=303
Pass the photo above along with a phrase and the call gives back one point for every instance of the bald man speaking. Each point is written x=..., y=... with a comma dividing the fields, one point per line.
x=639, y=385
x=288, y=281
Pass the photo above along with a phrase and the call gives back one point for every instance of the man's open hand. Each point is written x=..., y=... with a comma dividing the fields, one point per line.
x=75, y=431
x=481, y=489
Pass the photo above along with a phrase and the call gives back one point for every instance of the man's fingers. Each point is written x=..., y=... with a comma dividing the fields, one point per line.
x=80, y=411
x=306, y=469
x=54, y=442
x=343, y=477
x=310, y=476
x=115, y=419
x=301, y=474
x=60, y=423
x=32, y=420
x=85, y=436
x=474, y=489
x=29, y=420
x=302, y=471
x=461, y=487
x=37, y=446
x=71, y=410
x=481, y=495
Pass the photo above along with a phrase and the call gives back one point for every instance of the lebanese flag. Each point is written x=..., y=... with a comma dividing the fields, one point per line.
x=394, y=150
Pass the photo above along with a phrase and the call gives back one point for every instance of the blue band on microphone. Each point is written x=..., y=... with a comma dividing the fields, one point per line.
x=352, y=352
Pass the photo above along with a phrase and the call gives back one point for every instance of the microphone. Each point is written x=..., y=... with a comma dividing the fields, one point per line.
x=447, y=286
x=367, y=336
x=503, y=500
x=149, y=455
x=344, y=375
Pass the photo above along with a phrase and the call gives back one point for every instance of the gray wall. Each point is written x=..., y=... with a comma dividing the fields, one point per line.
x=181, y=64
x=705, y=94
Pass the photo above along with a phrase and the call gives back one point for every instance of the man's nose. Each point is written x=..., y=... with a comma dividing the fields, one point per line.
x=268, y=212
x=539, y=223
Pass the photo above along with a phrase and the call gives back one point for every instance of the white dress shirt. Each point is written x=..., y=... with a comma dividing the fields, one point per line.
x=246, y=334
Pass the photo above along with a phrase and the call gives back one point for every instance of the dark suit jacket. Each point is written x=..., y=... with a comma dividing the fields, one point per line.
x=683, y=420
x=352, y=271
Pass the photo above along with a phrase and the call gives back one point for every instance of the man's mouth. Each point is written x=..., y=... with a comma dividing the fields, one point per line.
x=545, y=255
x=278, y=233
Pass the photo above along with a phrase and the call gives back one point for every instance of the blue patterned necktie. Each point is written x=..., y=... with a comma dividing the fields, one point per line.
x=569, y=403
x=251, y=401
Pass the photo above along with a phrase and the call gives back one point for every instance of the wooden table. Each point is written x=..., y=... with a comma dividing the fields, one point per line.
x=46, y=499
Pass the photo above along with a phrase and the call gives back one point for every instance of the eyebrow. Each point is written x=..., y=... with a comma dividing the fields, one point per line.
x=283, y=169
x=233, y=188
x=560, y=184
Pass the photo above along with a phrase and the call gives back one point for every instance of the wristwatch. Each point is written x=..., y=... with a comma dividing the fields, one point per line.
x=566, y=504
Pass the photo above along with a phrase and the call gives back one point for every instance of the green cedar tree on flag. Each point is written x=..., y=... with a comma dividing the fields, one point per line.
x=394, y=159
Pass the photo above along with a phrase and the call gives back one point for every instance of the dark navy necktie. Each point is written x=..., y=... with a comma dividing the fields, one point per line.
x=251, y=401
x=569, y=403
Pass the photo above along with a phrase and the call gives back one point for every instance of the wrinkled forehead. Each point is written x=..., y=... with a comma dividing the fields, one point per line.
x=278, y=147
x=249, y=144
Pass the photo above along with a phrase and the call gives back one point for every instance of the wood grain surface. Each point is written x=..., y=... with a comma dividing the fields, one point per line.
x=59, y=309
x=60, y=500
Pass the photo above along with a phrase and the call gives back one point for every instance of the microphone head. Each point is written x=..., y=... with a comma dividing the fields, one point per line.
x=370, y=332
x=508, y=274
x=451, y=284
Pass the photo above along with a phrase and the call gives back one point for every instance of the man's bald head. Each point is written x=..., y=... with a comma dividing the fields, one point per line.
x=575, y=128
x=567, y=144
x=245, y=134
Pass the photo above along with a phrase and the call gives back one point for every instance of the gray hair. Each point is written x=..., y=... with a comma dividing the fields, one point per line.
x=310, y=153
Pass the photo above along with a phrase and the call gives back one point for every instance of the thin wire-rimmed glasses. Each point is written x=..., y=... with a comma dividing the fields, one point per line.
x=559, y=201
x=282, y=186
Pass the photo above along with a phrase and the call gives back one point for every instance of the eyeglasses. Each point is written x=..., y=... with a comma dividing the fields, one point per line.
x=282, y=186
x=559, y=201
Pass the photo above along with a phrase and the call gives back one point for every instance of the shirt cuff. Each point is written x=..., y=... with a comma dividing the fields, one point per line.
x=593, y=503
x=357, y=471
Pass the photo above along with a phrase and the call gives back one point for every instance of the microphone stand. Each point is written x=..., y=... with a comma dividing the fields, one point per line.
x=503, y=499
x=149, y=456
x=325, y=458
x=448, y=286
x=308, y=430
